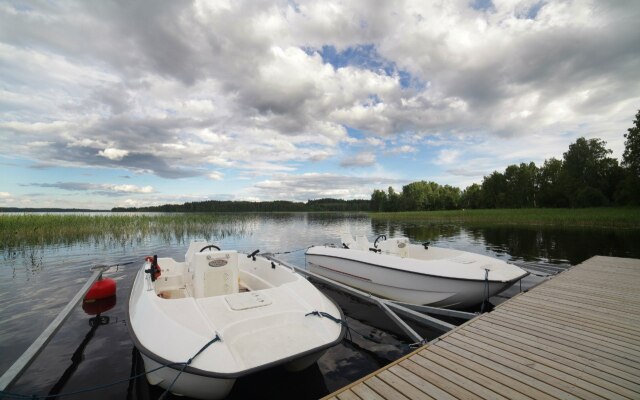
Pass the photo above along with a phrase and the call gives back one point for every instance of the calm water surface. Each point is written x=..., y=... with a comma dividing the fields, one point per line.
x=37, y=281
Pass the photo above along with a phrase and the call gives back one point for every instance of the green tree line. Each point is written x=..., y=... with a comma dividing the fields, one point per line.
x=257, y=206
x=586, y=176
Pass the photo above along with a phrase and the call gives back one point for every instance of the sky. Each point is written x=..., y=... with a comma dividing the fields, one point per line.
x=118, y=103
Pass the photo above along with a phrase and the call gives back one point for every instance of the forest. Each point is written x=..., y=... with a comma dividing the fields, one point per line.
x=258, y=206
x=586, y=176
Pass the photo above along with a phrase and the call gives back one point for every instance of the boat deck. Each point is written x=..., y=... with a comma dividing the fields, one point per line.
x=574, y=336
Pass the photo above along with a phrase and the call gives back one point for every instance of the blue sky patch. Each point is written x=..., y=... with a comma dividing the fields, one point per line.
x=366, y=57
x=483, y=5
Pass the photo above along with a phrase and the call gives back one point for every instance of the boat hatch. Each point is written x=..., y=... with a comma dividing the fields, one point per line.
x=244, y=301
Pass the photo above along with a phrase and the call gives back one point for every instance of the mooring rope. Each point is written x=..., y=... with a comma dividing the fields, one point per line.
x=293, y=251
x=409, y=346
x=344, y=322
x=107, y=385
x=189, y=361
x=486, y=285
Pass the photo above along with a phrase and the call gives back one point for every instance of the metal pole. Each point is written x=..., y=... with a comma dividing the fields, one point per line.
x=27, y=357
x=437, y=310
x=403, y=325
x=416, y=316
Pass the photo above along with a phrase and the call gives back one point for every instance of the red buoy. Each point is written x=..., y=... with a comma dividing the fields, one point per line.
x=101, y=289
x=99, y=306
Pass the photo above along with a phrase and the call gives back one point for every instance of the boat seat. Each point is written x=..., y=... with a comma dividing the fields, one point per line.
x=399, y=247
x=362, y=243
x=215, y=273
x=194, y=248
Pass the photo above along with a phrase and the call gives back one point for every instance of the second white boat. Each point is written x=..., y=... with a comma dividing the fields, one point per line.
x=419, y=274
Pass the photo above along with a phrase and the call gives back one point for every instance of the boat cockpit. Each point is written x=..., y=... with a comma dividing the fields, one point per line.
x=208, y=271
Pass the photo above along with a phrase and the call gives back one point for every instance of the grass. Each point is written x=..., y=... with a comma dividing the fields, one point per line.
x=28, y=229
x=611, y=217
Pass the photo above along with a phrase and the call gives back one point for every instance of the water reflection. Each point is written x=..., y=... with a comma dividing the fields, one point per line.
x=38, y=278
x=559, y=246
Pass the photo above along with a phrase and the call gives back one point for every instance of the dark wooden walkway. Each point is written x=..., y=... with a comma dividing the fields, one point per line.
x=575, y=336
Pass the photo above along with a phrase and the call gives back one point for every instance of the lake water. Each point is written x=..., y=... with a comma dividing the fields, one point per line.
x=37, y=281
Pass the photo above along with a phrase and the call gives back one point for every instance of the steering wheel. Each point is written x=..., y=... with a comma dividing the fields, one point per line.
x=211, y=246
x=383, y=237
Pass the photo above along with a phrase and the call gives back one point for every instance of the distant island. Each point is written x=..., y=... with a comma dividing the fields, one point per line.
x=48, y=210
x=318, y=205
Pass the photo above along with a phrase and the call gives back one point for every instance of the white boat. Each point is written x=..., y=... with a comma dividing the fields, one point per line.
x=419, y=274
x=253, y=313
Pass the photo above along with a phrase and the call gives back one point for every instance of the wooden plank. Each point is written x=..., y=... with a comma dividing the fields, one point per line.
x=574, y=342
x=579, y=305
x=456, y=378
x=444, y=384
x=576, y=323
x=492, y=374
x=545, y=381
x=365, y=392
x=623, y=302
x=599, y=285
x=576, y=320
x=383, y=389
x=551, y=332
x=575, y=361
x=614, y=295
x=612, y=348
x=492, y=384
x=556, y=345
x=559, y=369
x=587, y=331
x=421, y=384
x=590, y=279
x=347, y=395
x=523, y=383
x=591, y=301
x=402, y=386
x=584, y=314
x=605, y=274
x=599, y=293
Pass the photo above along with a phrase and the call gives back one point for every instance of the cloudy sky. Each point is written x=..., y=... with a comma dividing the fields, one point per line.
x=121, y=103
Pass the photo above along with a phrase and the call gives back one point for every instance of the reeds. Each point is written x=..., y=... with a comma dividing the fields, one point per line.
x=45, y=229
x=612, y=217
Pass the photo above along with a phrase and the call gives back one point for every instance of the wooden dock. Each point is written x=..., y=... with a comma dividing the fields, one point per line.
x=575, y=336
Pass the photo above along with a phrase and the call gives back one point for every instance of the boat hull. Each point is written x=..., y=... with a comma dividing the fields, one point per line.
x=408, y=287
x=187, y=384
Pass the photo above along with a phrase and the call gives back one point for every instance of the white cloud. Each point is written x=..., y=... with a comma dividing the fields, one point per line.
x=127, y=188
x=404, y=149
x=113, y=154
x=215, y=175
x=448, y=156
x=302, y=187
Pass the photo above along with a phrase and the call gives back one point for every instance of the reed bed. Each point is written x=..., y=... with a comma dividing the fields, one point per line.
x=614, y=217
x=44, y=229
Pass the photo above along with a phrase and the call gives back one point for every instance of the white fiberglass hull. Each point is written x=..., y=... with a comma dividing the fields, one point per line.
x=260, y=314
x=203, y=386
x=438, y=282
